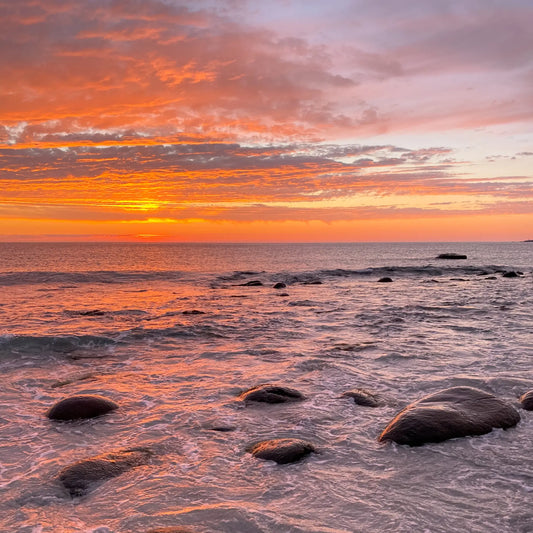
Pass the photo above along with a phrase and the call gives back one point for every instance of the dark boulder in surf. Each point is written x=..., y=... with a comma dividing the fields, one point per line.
x=81, y=476
x=385, y=280
x=269, y=393
x=451, y=256
x=526, y=400
x=511, y=274
x=279, y=285
x=362, y=397
x=282, y=451
x=79, y=407
x=448, y=414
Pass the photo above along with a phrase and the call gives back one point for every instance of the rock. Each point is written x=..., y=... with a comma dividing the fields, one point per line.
x=362, y=397
x=223, y=429
x=82, y=406
x=279, y=285
x=268, y=393
x=282, y=451
x=193, y=312
x=79, y=477
x=527, y=400
x=451, y=256
x=313, y=282
x=450, y=413
x=384, y=280
x=511, y=274
x=253, y=283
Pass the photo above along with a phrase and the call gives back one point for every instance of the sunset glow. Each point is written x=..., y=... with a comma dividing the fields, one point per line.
x=162, y=120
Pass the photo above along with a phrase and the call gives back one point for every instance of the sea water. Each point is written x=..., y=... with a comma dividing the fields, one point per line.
x=174, y=333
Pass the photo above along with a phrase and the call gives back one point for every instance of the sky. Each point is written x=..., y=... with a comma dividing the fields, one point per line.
x=278, y=121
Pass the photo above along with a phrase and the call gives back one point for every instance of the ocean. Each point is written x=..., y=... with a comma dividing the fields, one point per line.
x=173, y=333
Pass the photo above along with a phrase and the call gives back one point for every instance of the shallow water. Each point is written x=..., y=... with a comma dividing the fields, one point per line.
x=172, y=334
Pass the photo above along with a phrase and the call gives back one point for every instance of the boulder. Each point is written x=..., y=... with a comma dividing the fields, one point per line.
x=269, y=393
x=279, y=285
x=511, y=274
x=82, y=406
x=450, y=413
x=527, y=400
x=385, y=280
x=81, y=476
x=362, y=397
x=282, y=451
x=451, y=256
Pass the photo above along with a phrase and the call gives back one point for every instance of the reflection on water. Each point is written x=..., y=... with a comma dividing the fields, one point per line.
x=174, y=349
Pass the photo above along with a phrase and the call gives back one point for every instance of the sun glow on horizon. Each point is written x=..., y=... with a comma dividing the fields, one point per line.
x=182, y=122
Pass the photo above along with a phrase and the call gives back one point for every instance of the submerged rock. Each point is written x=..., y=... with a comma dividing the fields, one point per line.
x=362, y=397
x=527, y=400
x=82, y=406
x=450, y=413
x=268, y=393
x=282, y=451
x=451, y=256
x=79, y=477
x=385, y=280
x=279, y=285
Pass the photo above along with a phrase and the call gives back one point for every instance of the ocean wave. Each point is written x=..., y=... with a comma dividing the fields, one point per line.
x=71, y=279
x=415, y=271
x=36, y=344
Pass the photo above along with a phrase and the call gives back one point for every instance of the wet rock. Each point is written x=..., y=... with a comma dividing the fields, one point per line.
x=511, y=274
x=268, y=393
x=253, y=283
x=222, y=429
x=451, y=256
x=385, y=280
x=491, y=277
x=527, y=400
x=81, y=476
x=282, y=451
x=313, y=282
x=450, y=413
x=193, y=312
x=79, y=407
x=279, y=285
x=362, y=397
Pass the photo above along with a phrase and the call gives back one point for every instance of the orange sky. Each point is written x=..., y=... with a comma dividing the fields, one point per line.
x=228, y=121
